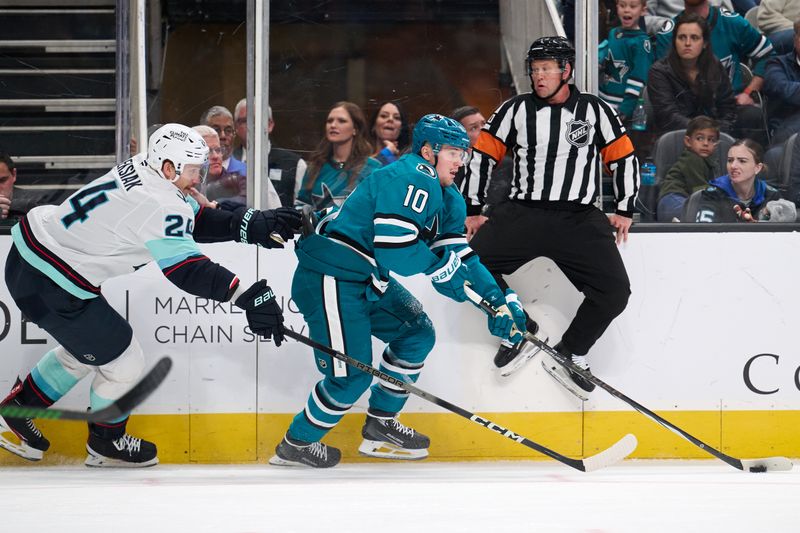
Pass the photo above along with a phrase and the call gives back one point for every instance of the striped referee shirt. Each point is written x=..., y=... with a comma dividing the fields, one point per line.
x=555, y=152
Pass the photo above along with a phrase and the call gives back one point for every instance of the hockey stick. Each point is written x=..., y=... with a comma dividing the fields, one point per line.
x=607, y=457
x=120, y=407
x=768, y=464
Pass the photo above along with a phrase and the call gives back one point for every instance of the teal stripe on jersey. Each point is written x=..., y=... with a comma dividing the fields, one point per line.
x=98, y=402
x=193, y=204
x=46, y=268
x=168, y=252
x=51, y=377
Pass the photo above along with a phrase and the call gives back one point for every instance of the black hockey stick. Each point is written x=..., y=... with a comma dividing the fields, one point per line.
x=607, y=457
x=767, y=464
x=123, y=405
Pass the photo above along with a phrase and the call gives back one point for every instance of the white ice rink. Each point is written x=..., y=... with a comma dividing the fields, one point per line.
x=636, y=496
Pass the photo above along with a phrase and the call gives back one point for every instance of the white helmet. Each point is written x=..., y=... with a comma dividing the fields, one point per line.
x=176, y=143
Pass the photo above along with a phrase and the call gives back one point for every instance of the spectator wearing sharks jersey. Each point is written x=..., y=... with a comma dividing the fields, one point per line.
x=558, y=136
x=341, y=160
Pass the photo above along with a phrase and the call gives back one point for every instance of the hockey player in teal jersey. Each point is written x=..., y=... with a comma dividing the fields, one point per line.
x=406, y=218
x=733, y=41
x=625, y=58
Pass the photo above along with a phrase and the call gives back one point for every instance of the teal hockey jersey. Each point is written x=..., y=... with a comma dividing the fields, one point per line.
x=733, y=41
x=399, y=219
x=332, y=185
x=625, y=59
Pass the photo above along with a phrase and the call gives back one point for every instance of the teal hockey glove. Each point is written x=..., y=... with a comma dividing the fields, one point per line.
x=449, y=279
x=509, y=322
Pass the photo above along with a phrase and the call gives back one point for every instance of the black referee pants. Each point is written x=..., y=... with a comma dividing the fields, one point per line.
x=579, y=239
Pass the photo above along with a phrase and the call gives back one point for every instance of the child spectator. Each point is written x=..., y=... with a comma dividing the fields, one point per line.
x=693, y=170
x=626, y=57
x=738, y=196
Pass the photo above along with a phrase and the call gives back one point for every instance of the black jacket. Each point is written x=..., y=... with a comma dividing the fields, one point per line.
x=674, y=103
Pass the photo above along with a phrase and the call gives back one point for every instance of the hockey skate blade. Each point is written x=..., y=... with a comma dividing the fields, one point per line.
x=385, y=450
x=610, y=456
x=560, y=374
x=17, y=446
x=526, y=354
x=96, y=460
x=767, y=464
x=277, y=461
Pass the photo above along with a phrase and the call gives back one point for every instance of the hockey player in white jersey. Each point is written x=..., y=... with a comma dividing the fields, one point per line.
x=139, y=211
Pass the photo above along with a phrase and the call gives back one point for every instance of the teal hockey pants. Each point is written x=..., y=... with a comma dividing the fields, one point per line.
x=340, y=315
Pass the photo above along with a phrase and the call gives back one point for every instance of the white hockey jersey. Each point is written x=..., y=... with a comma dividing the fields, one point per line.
x=111, y=226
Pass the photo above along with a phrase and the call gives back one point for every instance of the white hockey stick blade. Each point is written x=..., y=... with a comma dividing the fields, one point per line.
x=526, y=354
x=767, y=464
x=610, y=456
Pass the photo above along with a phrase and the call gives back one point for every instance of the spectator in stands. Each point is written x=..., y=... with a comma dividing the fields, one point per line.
x=341, y=160
x=286, y=168
x=499, y=186
x=661, y=11
x=388, y=131
x=219, y=118
x=776, y=19
x=693, y=170
x=733, y=41
x=690, y=82
x=738, y=196
x=223, y=186
x=782, y=86
x=625, y=59
x=14, y=201
x=240, y=128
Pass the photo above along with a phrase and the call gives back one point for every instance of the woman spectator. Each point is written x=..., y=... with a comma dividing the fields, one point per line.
x=738, y=196
x=341, y=160
x=389, y=132
x=690, y=81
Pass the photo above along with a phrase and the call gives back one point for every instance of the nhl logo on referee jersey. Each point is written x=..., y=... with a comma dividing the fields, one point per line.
x=578, y=132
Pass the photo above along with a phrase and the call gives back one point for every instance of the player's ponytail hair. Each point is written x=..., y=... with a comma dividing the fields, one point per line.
x=360, y=152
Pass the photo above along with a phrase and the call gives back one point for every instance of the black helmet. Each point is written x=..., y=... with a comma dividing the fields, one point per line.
x=556, y=47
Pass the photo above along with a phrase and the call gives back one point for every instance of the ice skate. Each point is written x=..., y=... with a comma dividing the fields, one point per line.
x=389, y=439
x=572, y=381
x=509, y=359
x=126, y=452
x=314, y=454
x=20, y=436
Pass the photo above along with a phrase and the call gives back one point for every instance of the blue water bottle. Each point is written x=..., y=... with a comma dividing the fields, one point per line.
x=647, y=172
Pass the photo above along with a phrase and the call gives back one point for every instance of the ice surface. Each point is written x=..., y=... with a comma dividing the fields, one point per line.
x=636, y=496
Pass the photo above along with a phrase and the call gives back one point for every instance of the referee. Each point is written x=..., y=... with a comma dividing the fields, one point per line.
x=556, y=136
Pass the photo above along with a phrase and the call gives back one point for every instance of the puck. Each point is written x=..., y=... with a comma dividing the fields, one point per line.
x=759, y=468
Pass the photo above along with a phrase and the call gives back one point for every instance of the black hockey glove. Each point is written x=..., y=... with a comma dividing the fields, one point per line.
x=270, y=228
x=264, y=315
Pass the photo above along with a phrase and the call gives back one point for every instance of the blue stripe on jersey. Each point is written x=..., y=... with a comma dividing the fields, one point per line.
x=168, y=252
x=47, y=269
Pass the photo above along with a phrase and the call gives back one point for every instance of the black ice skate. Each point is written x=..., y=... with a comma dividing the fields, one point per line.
x=32, y=444
x=387, y=438
x=297, y=453
x=126, y=452
x=509, y=359
x=572, y=381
